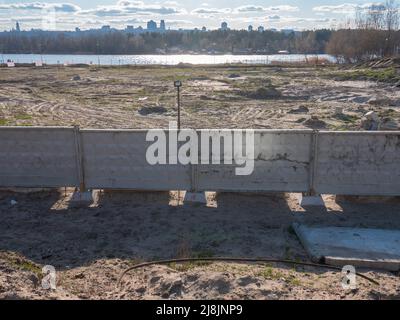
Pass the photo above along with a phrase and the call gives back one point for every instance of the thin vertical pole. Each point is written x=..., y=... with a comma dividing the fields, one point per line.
x=313, y=162
x=79, y=159
x=179, y=108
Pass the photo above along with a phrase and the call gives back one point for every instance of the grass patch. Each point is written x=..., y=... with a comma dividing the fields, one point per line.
x=346, y=118
x=23, y=264
x=3, y=122
x=293, y=281
x=186, y=266
x=270, y=274
x=388, y=113
x=388, y=75
x=23, y=116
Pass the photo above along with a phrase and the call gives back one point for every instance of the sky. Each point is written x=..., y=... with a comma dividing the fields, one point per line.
x=186, y=14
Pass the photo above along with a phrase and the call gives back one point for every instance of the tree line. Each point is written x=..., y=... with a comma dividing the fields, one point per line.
x=120, y=42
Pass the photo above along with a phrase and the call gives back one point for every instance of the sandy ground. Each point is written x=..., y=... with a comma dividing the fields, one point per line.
x=212, y=97
x=90, y=247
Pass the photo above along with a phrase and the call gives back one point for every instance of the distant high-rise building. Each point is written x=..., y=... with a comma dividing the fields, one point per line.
x=287, y=31
x=260, y=29
x=250, y=28
x=152, y=25
x=162, y=25
x=224, y=26
x=17, y=27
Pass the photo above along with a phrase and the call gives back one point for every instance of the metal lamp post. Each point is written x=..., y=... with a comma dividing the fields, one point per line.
x=178, y=85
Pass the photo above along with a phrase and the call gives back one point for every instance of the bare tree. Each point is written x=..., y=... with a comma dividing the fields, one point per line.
x=373, y=33
x=392, y=21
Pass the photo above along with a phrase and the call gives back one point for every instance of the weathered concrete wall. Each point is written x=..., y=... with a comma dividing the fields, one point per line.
x=38, y=157
x=281, y=163
x=358, y=163
x=115, y=159
x=347, y=163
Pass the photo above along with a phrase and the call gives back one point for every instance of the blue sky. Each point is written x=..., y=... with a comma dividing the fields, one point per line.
x=67, y=14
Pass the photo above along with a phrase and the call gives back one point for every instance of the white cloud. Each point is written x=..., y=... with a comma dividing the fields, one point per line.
x=249, y=8
x=58, y=7
x=253, y=8
x=244, y=9
x=171, y=3
x=125, y=7
x=346, y=8
x=201, y=11
x=275, y=17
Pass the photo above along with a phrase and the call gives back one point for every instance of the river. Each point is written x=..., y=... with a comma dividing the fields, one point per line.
x=157, y=59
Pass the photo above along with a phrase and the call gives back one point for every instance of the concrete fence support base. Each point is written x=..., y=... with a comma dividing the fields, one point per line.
x=81, y=199
x=195, y=197
x=307, y=200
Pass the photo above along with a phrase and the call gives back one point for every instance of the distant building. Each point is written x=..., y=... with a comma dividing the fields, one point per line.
x=162, y=25
x=17, y=27
x=151, y=26
x=106, y=28
x=260, y=29
x=250, y=28
x=287, y=31
x=224, y=26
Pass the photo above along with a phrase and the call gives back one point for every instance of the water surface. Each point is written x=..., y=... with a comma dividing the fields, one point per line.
x=158, y=59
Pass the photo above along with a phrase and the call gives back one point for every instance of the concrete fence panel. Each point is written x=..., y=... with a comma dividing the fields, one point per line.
x=358, y=163
x=116, y=159
x=347, y=163
x=281, y=163
x=38, y=157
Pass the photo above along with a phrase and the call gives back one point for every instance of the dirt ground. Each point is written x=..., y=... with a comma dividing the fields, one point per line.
x=212, y=97
x=91, y=247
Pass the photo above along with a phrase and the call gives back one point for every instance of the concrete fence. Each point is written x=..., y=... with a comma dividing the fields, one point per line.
x=307, y=161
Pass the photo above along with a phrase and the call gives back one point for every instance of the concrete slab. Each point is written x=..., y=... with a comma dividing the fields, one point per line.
x=195, y=197
x=369, y=248
x=83, y=199
x=311, y=201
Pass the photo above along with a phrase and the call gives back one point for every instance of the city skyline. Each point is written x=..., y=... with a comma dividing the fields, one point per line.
x=181, y=14
x=150, y=26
